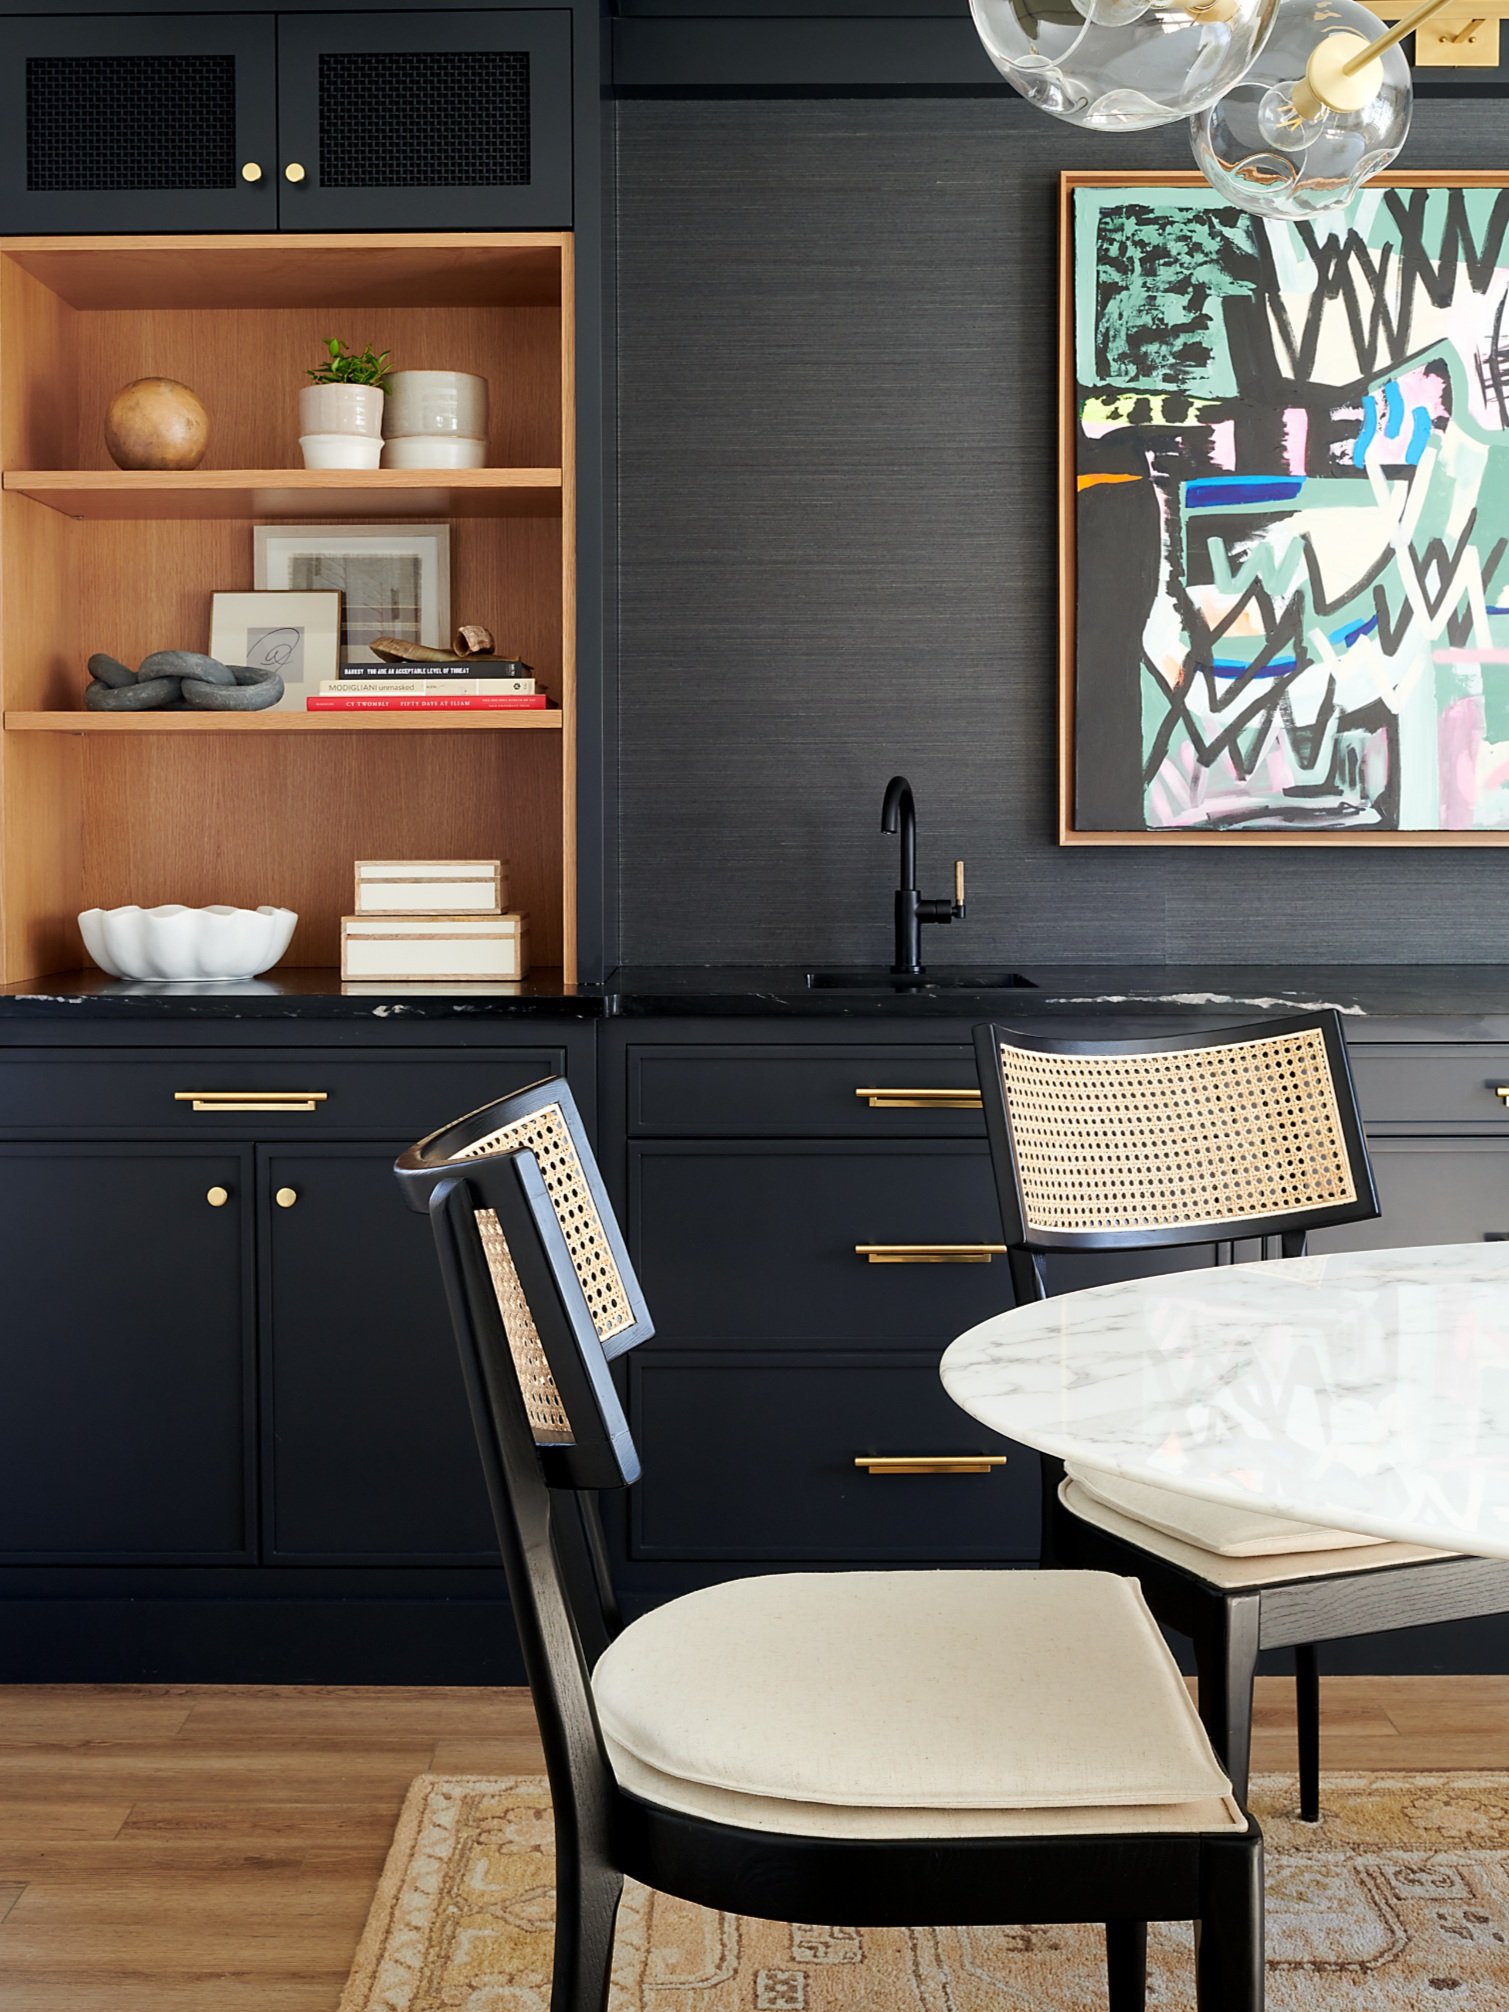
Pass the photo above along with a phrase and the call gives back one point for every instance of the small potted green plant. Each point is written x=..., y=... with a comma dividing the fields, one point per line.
x=341, y=409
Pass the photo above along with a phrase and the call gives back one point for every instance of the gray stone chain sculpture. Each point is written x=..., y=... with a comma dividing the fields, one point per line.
x=178, y=681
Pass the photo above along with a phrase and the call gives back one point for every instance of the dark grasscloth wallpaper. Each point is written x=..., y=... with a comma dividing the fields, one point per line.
x=836, y=546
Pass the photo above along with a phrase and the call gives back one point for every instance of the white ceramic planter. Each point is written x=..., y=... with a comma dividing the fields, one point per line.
x=436, y=401
x=174, y=942
x=340, y=425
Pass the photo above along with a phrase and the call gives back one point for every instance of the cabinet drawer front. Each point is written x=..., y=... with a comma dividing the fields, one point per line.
x=747, y=1457
x=1437, y=1086
x=755, y=1243
x=1432, y=1191
x=854, y=1092
x=257, y=1092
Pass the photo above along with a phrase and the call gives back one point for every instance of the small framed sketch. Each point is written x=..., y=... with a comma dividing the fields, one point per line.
x=394, y=579
x=298, y=635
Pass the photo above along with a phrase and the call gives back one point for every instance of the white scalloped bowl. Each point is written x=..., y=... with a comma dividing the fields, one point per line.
x=173, y=942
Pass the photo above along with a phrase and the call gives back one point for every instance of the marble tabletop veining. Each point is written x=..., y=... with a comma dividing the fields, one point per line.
x=1367, y=1391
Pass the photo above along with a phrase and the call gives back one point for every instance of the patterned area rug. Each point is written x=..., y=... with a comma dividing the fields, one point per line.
x=1400, y=1899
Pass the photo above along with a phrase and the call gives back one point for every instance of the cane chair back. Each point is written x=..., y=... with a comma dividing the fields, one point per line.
x=1180, y=1139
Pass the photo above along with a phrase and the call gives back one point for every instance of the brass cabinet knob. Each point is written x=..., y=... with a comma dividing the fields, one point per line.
x=286, y=1197
x=217, y=1197
x=294, y=172
x=251, y=171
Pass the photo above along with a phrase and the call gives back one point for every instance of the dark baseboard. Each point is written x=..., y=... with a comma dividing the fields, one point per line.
x=263, y=1641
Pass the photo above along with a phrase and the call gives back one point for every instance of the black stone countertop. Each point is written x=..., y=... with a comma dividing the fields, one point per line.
x=1380, y=1002
x=294, y=993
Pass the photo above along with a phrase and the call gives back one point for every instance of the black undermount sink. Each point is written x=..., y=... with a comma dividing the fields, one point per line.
x=944, y=979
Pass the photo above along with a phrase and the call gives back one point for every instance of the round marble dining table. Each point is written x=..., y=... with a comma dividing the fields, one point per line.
x=1365, y=1391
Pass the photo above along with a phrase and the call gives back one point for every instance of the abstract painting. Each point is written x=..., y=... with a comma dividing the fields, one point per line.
x=1287, y=516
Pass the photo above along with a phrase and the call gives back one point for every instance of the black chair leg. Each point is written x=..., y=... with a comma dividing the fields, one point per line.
x=1307, y=1719
x=1226, y=1653
x=1126, y=1965
x=586, y=1908
x=1229, y=1934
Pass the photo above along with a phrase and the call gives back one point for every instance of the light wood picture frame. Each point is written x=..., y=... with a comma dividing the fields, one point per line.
x=1283, y=605
x=297, y=635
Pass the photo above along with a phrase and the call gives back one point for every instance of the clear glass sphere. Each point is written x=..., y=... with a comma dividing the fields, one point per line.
x=1120, y=66
x=1267, y=146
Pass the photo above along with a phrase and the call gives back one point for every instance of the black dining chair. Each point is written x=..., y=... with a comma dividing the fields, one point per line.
x=1250, y=1133
x=866, y=1748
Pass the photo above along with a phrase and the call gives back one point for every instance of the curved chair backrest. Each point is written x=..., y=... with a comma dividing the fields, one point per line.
x=541, y=1295
x=1178, y=1139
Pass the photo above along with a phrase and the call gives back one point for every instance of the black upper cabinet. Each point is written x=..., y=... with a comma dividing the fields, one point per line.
x=442, y=121
x=149, y=122
x=308, y=122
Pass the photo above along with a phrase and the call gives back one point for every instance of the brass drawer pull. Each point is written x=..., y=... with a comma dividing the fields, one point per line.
x=1501, y=1091
x=929, y=1463
x=252, y=1100
x=880, y=1099
x=929, y=1253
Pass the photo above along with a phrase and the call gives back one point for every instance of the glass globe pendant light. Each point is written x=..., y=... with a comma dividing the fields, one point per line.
x=1325, y=107
x=1120, y=66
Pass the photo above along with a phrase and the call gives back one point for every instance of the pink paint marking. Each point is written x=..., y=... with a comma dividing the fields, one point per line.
x=1470, y=656
x=1423, y=387
x=1296, y=437
x=1223, y=444
x=1459, y=736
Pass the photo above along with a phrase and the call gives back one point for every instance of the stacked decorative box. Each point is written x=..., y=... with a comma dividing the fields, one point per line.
x=433, y=919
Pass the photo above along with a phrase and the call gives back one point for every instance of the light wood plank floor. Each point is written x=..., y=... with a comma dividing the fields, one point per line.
x=171, y=1849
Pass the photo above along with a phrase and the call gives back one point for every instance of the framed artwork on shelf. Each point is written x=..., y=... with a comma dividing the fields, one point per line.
x=1284, y=516
x=297, y=635
x=393, y=579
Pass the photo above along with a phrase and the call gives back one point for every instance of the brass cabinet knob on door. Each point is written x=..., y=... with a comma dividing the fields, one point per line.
x=286, y=1197
x=251, y=171
x=217, y=1197
x=294, y=172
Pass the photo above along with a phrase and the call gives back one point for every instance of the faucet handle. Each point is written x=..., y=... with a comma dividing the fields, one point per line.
x=959, y=889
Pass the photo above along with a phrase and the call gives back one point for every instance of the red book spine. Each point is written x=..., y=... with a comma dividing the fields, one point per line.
x=413, y=702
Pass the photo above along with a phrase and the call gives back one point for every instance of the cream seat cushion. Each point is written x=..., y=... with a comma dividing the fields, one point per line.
x=910, y=1692
x=1235, y=1574
x=1210, y=1526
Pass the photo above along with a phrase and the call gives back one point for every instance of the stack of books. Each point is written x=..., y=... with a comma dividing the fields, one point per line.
x=433, y=919
x=469, y=685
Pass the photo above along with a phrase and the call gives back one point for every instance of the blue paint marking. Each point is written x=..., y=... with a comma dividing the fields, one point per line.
x=1418, y=437
x=1224, y=667
x=1365, y=436
x=1393, y=406
x=1214, y=492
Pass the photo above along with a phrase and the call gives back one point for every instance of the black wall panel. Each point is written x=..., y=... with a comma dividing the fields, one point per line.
x=836, y=497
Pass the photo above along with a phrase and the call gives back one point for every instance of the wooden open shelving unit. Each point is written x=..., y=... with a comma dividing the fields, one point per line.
x=98, y=809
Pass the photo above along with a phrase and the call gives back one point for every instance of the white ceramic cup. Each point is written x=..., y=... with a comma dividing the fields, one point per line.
x=434, y=450
x=436, y=401
x=340, y=450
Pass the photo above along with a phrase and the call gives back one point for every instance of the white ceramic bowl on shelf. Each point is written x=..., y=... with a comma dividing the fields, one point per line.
x=174, y=942
x=434, y=450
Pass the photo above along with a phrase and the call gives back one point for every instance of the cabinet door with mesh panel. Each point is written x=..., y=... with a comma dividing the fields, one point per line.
x=442, y=121
x=145, y=123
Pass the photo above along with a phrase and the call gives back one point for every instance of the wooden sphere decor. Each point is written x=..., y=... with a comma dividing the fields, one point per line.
x=156, y=422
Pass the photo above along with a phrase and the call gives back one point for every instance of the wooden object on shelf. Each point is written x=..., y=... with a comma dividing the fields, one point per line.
x=96, y=809
x=460, y=948
x=430, y=886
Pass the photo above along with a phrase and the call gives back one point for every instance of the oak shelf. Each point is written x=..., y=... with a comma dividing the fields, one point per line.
x=115, y=494
x=60, y=721
x=97, y=809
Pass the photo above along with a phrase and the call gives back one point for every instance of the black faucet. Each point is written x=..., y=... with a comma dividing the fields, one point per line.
x=899, y=813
